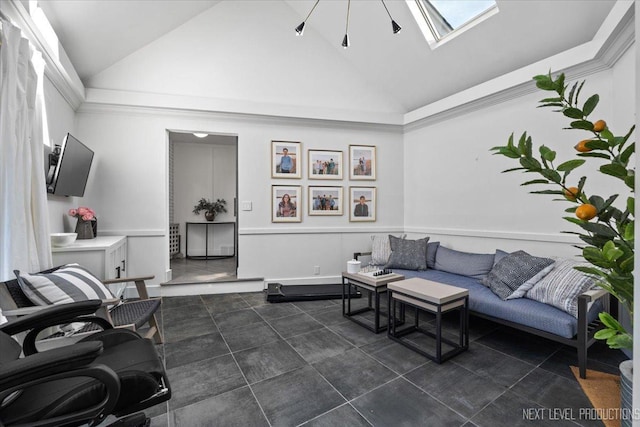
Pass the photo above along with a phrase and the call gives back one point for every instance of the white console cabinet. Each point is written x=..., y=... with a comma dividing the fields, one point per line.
x=104, y=256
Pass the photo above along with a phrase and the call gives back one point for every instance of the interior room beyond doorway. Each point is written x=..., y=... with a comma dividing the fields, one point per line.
x=202, y=166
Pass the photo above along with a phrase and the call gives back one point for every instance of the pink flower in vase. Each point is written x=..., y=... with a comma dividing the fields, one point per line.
x=88, y=217
x=73, y=212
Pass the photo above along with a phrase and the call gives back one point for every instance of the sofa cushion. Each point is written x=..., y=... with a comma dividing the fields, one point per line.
x=522, y=311
x=381, y=249
x=67, y=284
x=432, y=250
x=512, y=274
x=408, y=254
x=463, y=263
x=562, y=286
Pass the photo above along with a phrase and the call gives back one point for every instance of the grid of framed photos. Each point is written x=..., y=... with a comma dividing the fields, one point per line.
x=322, y=165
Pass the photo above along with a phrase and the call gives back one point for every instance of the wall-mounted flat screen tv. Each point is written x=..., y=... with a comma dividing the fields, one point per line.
x=68, y=177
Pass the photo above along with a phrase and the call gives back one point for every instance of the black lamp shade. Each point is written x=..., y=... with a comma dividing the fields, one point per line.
x=345, y=41
x=300, y=29
x=396, y=27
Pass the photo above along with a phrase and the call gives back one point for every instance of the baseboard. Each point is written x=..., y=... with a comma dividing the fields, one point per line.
x=169, y=290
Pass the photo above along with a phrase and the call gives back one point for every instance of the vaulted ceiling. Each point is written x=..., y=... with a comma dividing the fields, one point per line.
x=243, y=50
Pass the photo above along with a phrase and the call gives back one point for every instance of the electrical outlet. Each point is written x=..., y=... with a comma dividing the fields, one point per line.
x=246, y=206
x=316, y=269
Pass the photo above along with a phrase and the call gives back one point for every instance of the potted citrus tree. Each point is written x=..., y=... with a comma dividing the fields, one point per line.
x=211, y=209
x=606, y=223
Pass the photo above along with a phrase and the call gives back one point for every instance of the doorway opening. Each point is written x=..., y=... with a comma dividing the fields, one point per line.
x=202, y=165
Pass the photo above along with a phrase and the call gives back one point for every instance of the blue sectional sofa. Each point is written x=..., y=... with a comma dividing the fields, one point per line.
x=524, y=314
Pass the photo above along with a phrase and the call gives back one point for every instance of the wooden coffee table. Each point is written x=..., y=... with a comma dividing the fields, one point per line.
x=432, y=297
x=374, y=287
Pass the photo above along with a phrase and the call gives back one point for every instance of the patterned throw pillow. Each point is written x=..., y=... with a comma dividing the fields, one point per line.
x=380, y=250
x=513, y=271
x=408, y=254
x=67, y=284
x=562, y=286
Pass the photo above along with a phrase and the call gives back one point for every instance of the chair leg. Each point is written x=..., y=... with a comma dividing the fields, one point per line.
x=157, y=336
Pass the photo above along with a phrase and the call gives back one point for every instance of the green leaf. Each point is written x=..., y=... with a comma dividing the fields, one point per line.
x=551, y=175
x=631, y=182
x=571, y=210
x=604, y=334
x=582, y=124
x=590, y=104
x=614, y=170
x=599, y=229
x=547, y=153
x=572, y=91
x=530, y=163
x=559, y=83
x=572, y=220
x=508, y=152
x=609, y=321
x=606, y=134
x=551, y=104
x=556, y=99
x=581, y=183
x=570, y=165
x=597, y=201
x=597, y=144
x=599, y=155
x=536, y=181
x=573, y=113
x=544, y=83
x=579, y=90
x=513, y=170
x=556, y=192
x=626, y=154
x=631, y=205
x=609, y=201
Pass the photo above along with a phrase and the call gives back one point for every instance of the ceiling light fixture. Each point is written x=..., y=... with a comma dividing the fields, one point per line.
x=345, y=40
x=200, y=134
x=394, y=24
x=300, y=28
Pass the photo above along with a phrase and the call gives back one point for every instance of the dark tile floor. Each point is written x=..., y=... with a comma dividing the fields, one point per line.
x=234, y=360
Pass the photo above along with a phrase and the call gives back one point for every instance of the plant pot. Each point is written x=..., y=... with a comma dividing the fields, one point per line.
x=84, y=229
x=210, y=216
x=626, y=395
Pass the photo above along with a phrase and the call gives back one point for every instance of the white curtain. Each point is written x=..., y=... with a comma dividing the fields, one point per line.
x=24, y=219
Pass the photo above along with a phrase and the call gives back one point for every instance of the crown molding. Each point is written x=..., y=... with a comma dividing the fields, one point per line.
x=103, y=101
x=246, y=231
x=496, y=234
x=64, y=79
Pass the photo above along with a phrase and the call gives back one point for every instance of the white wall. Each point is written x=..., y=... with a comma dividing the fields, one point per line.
x=60, y=120
x=209, y=171
x=453, y=185
x=131, y=183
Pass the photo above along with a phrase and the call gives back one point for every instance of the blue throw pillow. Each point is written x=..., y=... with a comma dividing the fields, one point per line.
x=432, y=249
x=463, y=263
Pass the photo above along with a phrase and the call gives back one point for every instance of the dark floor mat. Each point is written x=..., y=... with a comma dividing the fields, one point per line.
x=277, y=292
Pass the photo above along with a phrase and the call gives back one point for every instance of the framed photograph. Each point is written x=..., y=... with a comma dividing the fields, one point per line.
x=325, y=200
x=325, y=164
x=362, y=204
x=362, y=162
x=286, y=202
x=285, y=159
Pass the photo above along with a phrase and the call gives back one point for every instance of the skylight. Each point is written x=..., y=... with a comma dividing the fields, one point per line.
x=442, y=18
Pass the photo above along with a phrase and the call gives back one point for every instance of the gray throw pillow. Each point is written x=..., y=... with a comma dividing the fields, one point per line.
x=562, y=286
x=408, y=254
x=513, y=271
x=463, y=263
x=432, y=249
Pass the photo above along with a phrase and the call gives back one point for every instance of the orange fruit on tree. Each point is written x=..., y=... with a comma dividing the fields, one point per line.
x=571, y=193
x=599, y=126
x=586, y=212
x=582, y=146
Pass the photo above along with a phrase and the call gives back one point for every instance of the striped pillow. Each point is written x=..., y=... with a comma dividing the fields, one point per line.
x=67, y=284
x=562, y=286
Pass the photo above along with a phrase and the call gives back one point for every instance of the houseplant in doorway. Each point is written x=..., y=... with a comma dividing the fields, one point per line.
x=607, y=229
x=211, y=209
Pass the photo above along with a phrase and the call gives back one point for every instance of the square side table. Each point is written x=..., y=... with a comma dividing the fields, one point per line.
x=375, y=286
x=433, y=297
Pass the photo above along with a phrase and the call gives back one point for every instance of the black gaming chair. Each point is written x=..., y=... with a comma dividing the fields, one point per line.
x=114, y=371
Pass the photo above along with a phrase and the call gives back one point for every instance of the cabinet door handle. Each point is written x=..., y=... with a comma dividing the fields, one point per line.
x=124, y=265
x=117, y=272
